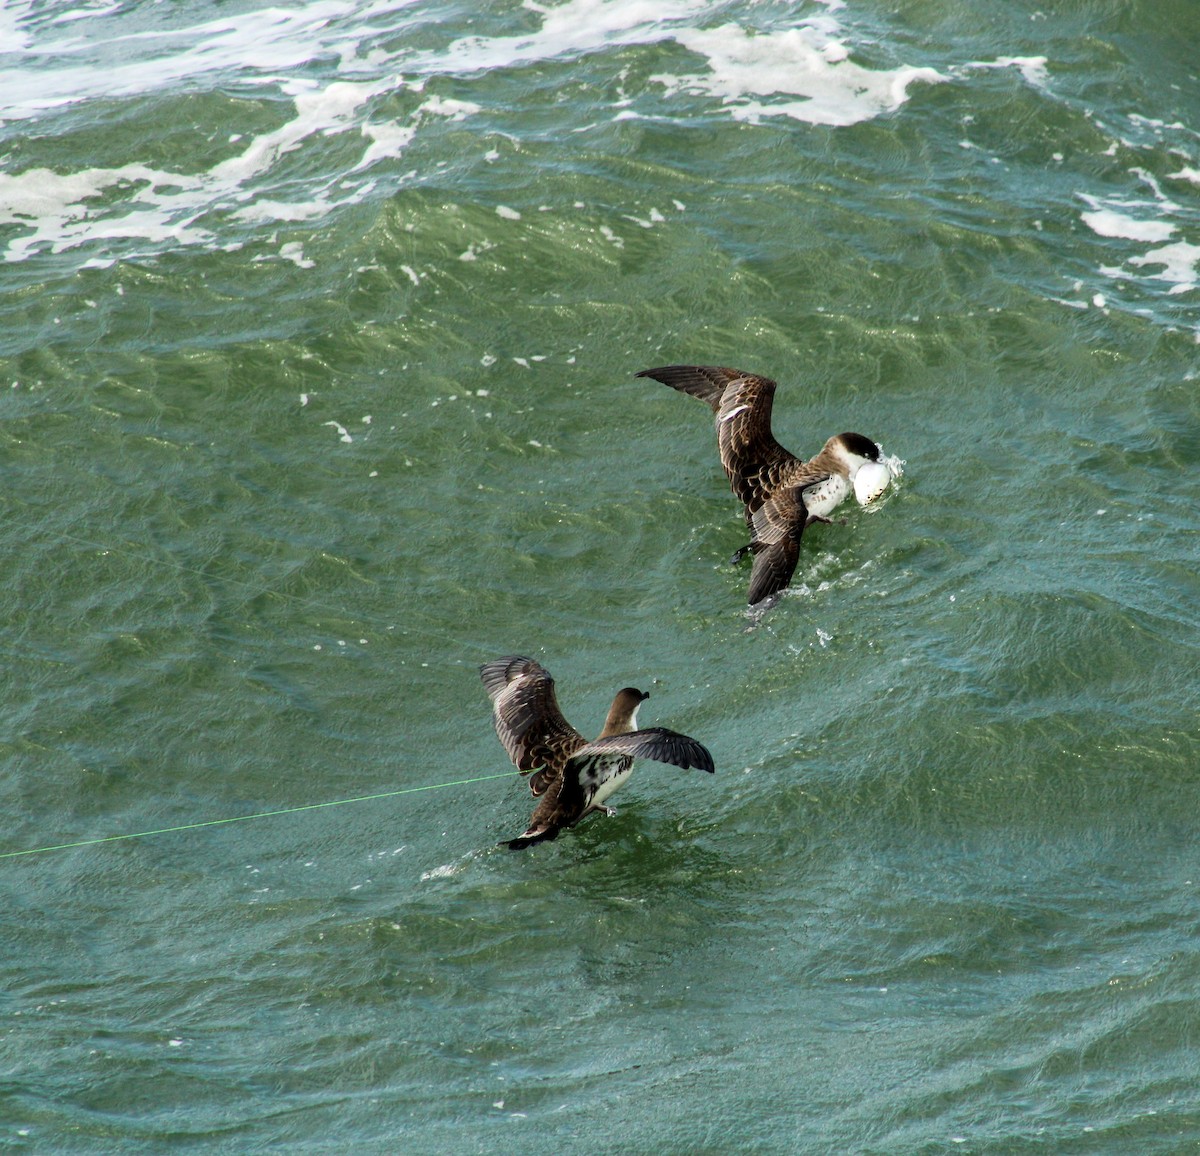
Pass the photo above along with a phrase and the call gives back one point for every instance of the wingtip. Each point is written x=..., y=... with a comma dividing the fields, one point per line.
x=765, y=590
x=774, y=567
x=498, y=673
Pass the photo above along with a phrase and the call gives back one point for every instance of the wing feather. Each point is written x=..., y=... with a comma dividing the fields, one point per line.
x=656, y=743
x=774, y=565
x=707, y=382
x=528, y=721
x=752, y=459
x=778, y=517
x=750, y=455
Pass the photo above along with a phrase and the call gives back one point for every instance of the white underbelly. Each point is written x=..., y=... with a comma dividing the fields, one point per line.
x=824, y=498
x=611, y=784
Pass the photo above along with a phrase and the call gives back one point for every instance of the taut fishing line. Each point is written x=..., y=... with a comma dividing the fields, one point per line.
x=131, y=549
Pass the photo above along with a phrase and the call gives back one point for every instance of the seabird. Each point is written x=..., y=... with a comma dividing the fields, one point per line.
x=573, y=776
x=782, y=494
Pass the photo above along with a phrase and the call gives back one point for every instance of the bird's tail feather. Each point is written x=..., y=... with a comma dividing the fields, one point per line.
x=531, y=837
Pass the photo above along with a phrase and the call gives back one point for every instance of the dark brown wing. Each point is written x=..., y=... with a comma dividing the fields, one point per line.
x=774, y=565
x=754, y=461
x=785, y=510
x=527, y=717
x=784, y=515
x=751, y=457
x=657, y=743
x=707, y=382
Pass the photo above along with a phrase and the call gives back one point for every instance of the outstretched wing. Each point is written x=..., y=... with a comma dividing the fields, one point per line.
x=527, y=717
x=707, y=382
x=657, y=743
x=751, y=457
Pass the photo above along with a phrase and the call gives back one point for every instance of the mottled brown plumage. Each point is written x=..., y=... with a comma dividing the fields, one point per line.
x=780, y=493
x=573, y=776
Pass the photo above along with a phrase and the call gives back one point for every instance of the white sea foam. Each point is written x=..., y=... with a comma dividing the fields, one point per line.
x=1177, y=263
x=265, y=43
x=805, y=62
x=569, y=29
x=108, y=52
x=797, y=69
x=318, y=110
x=294, y=251
x=1140, y=219
x=253, y=50
x=166, y=205
x=1033, y=69
x=158, y=207
x=1180, y=264
x=450, y=109
x=1109, y=223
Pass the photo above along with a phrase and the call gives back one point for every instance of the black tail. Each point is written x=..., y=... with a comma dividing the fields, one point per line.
x=530, y=838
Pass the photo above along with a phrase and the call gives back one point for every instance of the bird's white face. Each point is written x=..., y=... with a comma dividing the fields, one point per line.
x=851, y=470
x=868, y=477
x=846, y=458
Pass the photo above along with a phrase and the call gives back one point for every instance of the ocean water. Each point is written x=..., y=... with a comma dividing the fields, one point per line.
x=318, y=327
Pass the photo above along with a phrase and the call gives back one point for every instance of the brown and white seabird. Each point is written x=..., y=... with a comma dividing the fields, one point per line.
x=573, y=776
x=781, y=493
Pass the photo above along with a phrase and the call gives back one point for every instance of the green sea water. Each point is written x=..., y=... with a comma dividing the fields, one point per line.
x=318, y=332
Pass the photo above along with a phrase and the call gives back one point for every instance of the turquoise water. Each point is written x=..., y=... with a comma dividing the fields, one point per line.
x=318, y=327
